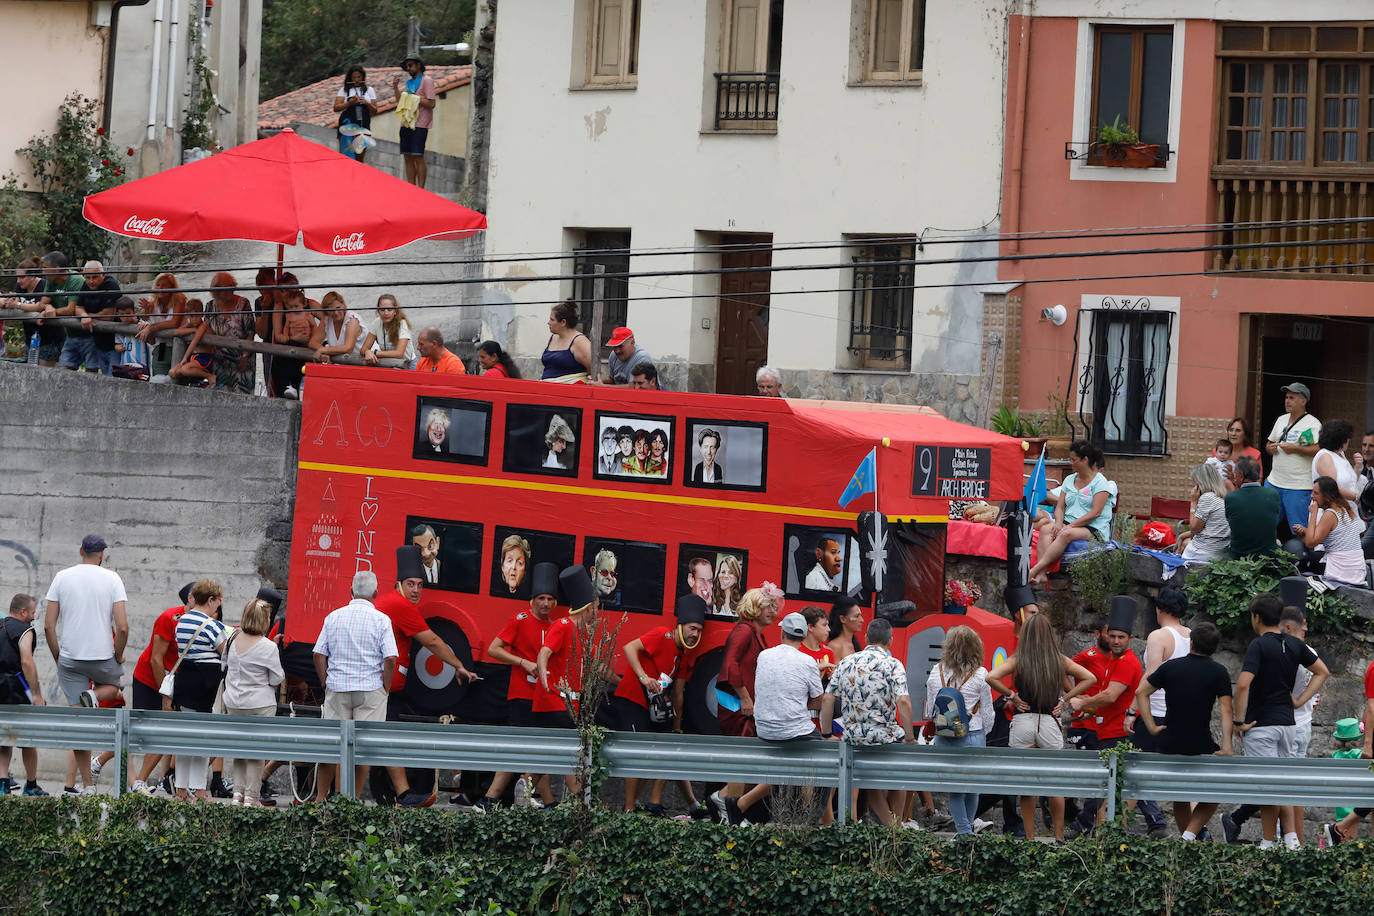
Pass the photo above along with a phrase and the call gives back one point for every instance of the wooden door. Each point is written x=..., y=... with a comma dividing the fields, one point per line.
x=742, y=322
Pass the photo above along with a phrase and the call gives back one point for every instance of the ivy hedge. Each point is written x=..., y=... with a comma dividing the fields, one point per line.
x=140, y=855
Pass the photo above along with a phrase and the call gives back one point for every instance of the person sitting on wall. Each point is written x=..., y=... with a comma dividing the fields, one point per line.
x=1083, y=510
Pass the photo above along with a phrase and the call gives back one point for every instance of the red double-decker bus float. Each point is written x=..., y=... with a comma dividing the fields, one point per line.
x=656, y=493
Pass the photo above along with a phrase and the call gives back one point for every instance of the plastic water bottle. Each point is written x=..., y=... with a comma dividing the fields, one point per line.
x=33, y=349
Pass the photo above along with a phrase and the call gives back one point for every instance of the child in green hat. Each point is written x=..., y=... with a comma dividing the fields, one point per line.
x=1348, y=737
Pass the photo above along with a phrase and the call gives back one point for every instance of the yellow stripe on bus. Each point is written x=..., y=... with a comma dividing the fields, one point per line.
x=588, y=491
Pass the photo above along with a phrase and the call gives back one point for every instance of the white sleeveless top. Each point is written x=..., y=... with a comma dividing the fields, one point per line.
x=1182, y=646
x=335, y=339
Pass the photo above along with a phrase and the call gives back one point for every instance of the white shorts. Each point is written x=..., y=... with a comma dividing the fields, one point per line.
x=1302, y=736
x=1036, y=729
x=359, y=705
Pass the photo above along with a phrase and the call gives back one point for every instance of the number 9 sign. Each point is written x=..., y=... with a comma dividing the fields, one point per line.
x=923, y=482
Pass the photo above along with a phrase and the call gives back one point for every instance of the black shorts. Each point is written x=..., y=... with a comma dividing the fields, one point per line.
x=412, y=140
x=146, y=697
x=629, y=716
x=555, y=718
x=396, y=706
x=520, y=714
x=809, y=736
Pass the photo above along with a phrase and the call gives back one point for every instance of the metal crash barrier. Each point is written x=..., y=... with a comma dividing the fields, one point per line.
x=1309, y=781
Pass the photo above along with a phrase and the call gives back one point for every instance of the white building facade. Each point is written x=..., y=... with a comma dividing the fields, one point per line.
x=747, y=134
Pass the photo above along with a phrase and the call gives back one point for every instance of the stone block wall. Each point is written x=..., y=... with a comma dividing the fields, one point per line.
x=181, y=482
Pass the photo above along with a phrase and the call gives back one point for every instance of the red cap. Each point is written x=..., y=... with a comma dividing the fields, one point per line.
x=619, y=337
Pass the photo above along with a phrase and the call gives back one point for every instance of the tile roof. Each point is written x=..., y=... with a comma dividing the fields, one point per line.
x=314, y=104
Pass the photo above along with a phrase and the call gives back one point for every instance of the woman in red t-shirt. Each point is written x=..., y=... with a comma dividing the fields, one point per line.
x=495, y=361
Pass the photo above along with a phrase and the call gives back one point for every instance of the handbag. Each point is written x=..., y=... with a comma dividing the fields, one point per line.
x=169, y=679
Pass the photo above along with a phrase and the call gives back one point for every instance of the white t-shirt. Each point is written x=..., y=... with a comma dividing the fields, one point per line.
x=374, y=327
x=1292, y=471
x=86, y=595
x=784, y=682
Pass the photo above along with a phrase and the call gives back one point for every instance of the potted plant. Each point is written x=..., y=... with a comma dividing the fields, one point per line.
x=960, y=594
x=1119, y=145
x=1009, y=421
x=1058, y=436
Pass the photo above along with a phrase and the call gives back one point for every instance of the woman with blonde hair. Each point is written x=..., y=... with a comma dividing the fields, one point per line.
x=961, y=667
x=725, y=594
x=1040, y=669
x=165, y=311
x=340, y=331
x=1209, y=533
x=388, y=336
x=254, y=670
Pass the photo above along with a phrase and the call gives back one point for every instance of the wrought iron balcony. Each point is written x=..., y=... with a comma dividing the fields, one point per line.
x=747, y=100
x=1304, y=223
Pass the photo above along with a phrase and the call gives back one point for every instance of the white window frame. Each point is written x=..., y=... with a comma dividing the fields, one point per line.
x=1079, y=170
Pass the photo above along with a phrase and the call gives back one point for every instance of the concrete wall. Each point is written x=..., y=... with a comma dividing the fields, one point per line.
x=443, y=174
x=846, y=159
x=182, y=483
x=50, y=50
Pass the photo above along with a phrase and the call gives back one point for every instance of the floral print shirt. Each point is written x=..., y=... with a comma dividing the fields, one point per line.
x=868, y=685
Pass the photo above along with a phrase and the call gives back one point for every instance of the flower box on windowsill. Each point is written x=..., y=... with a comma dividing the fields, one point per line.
x=1128, y=155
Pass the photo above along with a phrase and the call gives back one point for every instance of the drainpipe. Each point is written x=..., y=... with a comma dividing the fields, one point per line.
x=110, y=58
x=157, y=64
x=1016, y=141
x=173, y=25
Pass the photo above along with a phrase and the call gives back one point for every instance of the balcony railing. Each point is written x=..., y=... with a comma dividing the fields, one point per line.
x=747, y=100
x=1308, y=225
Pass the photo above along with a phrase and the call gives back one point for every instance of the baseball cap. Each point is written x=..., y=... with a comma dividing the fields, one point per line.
x=619, y=336
x=794, y=625
x=1298, y=388
x=93, y=543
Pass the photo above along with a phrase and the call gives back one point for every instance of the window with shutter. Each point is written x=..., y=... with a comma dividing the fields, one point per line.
x=613, y=55
x=896, y=41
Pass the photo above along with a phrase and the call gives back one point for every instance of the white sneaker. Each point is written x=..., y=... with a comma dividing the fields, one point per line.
x=1292, y=842
x=291, y=393
x=912, y=825
x=979, y=825
x=141, y=787
x=96, y=766
x=522, y=793
x=90, y=790
x=1267, y=844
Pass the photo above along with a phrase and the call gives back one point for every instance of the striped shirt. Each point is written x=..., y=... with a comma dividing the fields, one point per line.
x=356, y=639
x=135, y=351
x=202, y=646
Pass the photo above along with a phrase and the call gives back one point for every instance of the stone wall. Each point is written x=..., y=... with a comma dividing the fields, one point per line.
x=443, y=174
x=181, y=482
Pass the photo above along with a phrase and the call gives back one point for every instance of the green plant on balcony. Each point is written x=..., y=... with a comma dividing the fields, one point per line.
x=1009, y=421
x=1117, y=134
x=1119, y=144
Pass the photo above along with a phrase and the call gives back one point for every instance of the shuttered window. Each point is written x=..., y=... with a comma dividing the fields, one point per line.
x=896, y=41
x=614, y=53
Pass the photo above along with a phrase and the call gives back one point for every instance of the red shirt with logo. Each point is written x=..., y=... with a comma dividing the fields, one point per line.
x=406, y=620
x=564, y=640
x=166, y=627
x=1110, y=721
x=662, y=655
x=523, y=635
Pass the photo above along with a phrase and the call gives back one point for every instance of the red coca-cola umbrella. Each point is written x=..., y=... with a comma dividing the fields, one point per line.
x=280, y=190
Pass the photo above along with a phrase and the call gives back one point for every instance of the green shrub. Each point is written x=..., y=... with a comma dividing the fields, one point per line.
x=1223, y=589
x=141, y=855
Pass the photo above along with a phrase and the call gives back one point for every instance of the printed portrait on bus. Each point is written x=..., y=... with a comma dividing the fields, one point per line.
x=516, y=550
x=542, y=440
x=727, y=454
x=450, y=552
x=450, y=429
x=820, y=562
x=634, y=447
x=716, y=574
x=628, y=575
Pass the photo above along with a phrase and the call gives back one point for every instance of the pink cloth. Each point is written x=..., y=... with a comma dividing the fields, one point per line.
x=972, y=539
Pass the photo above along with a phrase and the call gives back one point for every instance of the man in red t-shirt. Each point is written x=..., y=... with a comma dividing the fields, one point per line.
x=651, y=659
x=1102, y=710
x=158, y=658
x=518, y=645
x=408, y=623
x=558, y=665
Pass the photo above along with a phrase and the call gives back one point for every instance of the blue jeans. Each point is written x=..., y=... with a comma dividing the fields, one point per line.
x=1292, y=504
x=963, y=805
x=82, y=351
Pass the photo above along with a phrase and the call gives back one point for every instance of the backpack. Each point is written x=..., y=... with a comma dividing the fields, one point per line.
x=950, y=714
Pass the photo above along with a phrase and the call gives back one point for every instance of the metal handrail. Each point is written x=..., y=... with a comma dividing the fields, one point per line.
x=1307, y=781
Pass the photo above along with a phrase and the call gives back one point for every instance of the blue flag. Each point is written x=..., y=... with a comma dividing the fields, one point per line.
x=1035, y=487
x=865, y=479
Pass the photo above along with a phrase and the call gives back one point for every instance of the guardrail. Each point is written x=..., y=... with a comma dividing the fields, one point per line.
x=1003, y=771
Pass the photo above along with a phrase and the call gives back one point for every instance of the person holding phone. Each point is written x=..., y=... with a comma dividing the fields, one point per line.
x=356, y=104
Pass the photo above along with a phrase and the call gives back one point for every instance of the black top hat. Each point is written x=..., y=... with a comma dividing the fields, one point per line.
x=690, y=609
x=408, y=563
x=185, y=593
x=271, y=596
x=1122, y=616
x=575, y=589
x=1017, y=597
x=544, y=580
x=1293, y=592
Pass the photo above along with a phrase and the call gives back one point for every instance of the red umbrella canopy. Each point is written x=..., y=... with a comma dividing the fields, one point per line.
x=276, y=189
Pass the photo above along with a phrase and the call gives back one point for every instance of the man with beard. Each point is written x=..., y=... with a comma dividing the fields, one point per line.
x=518, y=645
x=1100, y=713
x=404, y=608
